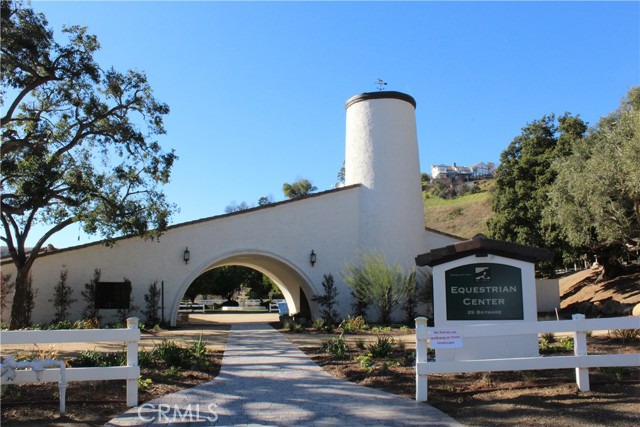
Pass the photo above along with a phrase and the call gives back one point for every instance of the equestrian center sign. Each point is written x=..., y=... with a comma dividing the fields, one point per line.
x=484, y=292
x=478, y=282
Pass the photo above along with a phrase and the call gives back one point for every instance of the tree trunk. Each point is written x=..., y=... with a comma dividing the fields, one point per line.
x=22, y=300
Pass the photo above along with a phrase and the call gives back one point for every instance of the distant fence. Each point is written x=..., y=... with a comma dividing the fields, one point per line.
x=581, y=361
x=130, y=373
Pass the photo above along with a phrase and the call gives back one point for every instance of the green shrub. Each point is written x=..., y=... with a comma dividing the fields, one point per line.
x=199, y=354
x=559, y=345
x=366, y=362
x=62, y=299
x=382, y=347
x=62, y=324
x=337, y=347
x=89, y=358
x=152, y=304
x=408, y=358
x=145, y=358
x=144, y=383
x=328, y=300
x=293, y=326
x=172, y=372
x=378, y=284
x=318, y=324
x=171, y=354
x=549, y=336
x=619, y=372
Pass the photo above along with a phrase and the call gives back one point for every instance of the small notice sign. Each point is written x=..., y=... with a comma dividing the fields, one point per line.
x=445, y=338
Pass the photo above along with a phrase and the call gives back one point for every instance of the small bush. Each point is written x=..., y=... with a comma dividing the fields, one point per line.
x=559, y=345
x=152, y=304
x=619, y=372
x=171, y=354
x=63, y=324
x=337, y=347
x=353, y=324
x=408, y=358
x=293, y=326
x=549, y=336
x=366, y=362
x=198, y=353
x=144, y=383
x=328, y=300
x=172, y=372
x=62, y=299
x=625, y=335
x=382, y=347
x=91, y=323
x=318, y=324
x=37, y=353
x=90, y=358
x=145, y=358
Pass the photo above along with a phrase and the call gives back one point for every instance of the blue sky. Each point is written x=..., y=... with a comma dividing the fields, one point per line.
x=257, y=90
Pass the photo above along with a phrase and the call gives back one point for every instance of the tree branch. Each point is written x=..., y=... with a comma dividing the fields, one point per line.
x=16, y=102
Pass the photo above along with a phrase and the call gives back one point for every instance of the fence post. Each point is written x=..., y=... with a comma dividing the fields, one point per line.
x=421, y=357
x=132, y=361
x=580, y=349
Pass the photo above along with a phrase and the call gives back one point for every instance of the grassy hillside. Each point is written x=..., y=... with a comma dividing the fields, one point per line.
x=463, y=216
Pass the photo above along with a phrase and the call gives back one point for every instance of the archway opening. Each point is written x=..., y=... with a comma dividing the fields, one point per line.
x=233, y=286
x=250, y=275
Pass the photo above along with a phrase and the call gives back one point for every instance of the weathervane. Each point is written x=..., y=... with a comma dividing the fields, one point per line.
x=381, y=83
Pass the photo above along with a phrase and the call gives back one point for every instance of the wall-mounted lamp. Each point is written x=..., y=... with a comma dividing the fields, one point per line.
x=312, y=258
x=186, y=256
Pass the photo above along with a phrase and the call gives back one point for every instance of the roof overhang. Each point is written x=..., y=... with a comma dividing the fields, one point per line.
x=481, y=247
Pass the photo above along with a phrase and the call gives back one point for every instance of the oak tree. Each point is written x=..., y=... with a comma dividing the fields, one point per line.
x=595, y=198
x=523, y=180
x=77, y=143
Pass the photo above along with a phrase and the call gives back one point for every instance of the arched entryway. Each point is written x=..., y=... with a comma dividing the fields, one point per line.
x=294, y=284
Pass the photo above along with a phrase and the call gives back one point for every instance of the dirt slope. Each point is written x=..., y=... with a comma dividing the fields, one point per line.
x=582, y=293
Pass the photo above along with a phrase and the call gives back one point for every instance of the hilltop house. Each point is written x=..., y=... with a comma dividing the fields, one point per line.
x=477, y=171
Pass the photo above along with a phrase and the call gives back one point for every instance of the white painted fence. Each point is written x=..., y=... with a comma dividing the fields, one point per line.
x=131, y=372
x=581, y=361
x=188, y=307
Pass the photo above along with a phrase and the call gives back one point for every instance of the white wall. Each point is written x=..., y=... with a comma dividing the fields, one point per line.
x=276, y=240
x=547, y=295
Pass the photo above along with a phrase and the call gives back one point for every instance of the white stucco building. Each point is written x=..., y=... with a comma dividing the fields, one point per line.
x=379, y=208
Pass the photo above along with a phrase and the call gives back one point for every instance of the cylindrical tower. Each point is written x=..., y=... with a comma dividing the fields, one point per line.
x=382, y=155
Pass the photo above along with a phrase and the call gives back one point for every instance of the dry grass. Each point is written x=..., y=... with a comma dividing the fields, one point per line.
x=465, y=216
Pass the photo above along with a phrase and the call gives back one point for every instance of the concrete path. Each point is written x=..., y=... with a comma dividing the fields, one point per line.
x=266, y=381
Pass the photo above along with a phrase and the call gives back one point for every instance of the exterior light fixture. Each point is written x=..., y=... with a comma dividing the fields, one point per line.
x=312, y=258
x=186, y=256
